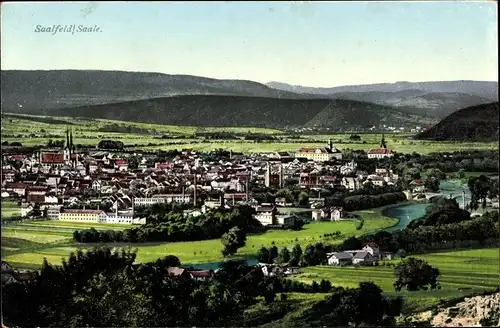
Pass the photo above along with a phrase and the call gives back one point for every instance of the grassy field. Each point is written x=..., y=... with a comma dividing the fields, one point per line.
x=10, y=210
x=86, y=132
x=470, y=270
x=188, y=252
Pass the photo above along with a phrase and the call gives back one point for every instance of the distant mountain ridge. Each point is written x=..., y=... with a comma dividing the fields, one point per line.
x=27, y=90
x=437, y=99
x=476, y=123
x=486, y=89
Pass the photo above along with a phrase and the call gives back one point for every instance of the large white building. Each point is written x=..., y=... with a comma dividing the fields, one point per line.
x=99, y=216
x=322, y=154
x=163, y=198
x=95, y=216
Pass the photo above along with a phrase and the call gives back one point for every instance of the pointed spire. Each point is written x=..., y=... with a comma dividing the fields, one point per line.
x=67, y=136
x=382, y=142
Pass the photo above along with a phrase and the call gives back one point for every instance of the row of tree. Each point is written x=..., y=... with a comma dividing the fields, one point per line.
x=362, y=202
x=175, y=226
x=104, y=288
x=283, y=256
x=480, y=231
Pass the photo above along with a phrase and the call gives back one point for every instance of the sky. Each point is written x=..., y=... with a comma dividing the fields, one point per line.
x=322, y=44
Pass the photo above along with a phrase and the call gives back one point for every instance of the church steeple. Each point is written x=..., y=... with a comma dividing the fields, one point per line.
x=67, y=138
x=382, y=142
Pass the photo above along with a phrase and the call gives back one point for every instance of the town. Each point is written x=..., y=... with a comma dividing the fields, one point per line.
x=100, y=187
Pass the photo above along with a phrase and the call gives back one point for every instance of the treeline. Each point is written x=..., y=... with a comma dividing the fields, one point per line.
x=175, y=226
x=478, y=232
x=217, y=135
x=362, y=202
x=77, y=294
x=440, y=212
x=39, y=119
x=110, y=144
x=124, y=129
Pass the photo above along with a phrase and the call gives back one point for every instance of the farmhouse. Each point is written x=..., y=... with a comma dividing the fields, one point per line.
x=339, y=258
x=266, y=214
x=362, y=257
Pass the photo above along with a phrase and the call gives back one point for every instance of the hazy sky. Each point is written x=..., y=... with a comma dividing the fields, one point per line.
x=313, y=44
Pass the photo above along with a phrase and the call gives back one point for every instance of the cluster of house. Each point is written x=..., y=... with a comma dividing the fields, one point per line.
x=107, y=190
x=369, y=255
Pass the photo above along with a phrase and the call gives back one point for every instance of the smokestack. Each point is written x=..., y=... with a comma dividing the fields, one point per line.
x=281, y=175
x=194, y=195
x=246, y=188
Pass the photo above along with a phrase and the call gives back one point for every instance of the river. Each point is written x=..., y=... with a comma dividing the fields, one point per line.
x=405, y=214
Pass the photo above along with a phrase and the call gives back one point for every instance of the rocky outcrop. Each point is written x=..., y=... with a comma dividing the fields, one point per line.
x=478, y=311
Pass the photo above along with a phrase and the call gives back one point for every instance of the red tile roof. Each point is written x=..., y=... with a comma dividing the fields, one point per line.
x=380, y=151
x=19, y=157
x=121, y=162
x=236, y=196
x=52, y=158
x=35, y=198
x=201, y=273
x=15, y=185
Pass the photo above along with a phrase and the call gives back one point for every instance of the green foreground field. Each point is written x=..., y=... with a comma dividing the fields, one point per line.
x=87, y=132
x=52, y=240
x=463, y=273
x=470, y=271
x=10, y=210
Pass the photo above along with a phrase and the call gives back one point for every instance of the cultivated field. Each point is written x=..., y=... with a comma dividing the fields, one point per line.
x=10, y=210
x=462, y=273
x=31, y=132
x=44, y=234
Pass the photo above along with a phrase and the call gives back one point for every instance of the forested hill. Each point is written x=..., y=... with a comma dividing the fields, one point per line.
x=219, y=110
x=476, y=123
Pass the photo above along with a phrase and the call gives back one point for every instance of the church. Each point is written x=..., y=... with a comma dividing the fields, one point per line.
x=57, y=158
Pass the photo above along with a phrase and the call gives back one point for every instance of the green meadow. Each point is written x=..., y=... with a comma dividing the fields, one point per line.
x=87, y=132
x=10, y=210
x=53, y=240
x=462, y=273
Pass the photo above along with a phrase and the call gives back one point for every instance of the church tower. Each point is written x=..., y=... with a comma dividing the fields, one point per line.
x=66, y=150
x=382, y=142
x=71, y=148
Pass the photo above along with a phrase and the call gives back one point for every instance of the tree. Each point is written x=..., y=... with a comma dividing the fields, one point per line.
x=415, y=274
x=263, y=255
x=232, y=240
x=347, y=307
x=479, y=188
x=168, y=261
x=284, y=256
x=431, y=183
x=303, y=198
x=273, y=253
x=295, y=255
